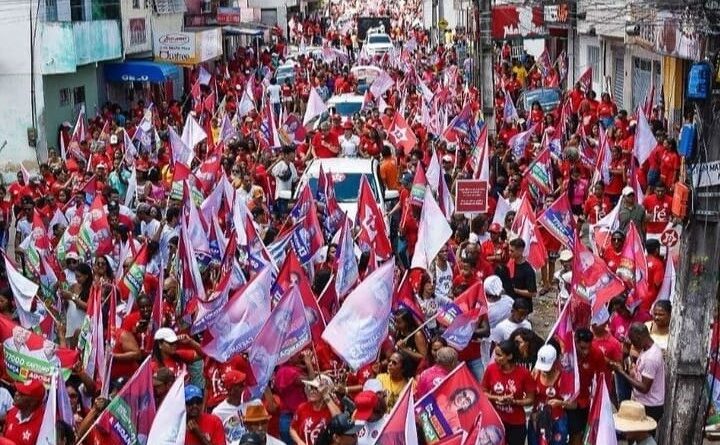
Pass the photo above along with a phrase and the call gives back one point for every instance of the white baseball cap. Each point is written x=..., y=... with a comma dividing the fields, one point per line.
x=546, y=358
x=627, y=191
x=166, y=335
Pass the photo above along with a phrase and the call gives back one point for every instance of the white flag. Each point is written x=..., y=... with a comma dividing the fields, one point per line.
x=381, y=84
x=382, y=105
x=315, y=107
x=47, y=435
x=606, y=425
x=130, y=149
x=168, y=427
x=58, y=218
x=246, y=105
x=132, y=188
x=204, y=77
x=24, y=292
x=645, y=141
x=180, y=150
x=192, y=133
x=501, y=209
x=433, y=232
x=433, y=173
x=667, y=290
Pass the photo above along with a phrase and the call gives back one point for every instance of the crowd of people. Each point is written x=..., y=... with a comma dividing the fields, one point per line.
x=161, y=249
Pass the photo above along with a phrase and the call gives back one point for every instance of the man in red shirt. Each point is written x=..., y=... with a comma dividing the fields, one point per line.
x=597, y=204
x=23, y=421
x=325, y=144
x=657, y=205
x=610, y=346
x=591, y=363
x=611, y=254
x=576, y=97
x=656, y=274
x=202, y=428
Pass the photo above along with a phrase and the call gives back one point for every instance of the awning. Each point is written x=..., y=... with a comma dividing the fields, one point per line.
x=242, y=30
x=140, y=71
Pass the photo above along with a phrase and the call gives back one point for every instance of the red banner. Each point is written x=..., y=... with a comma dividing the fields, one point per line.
x=471, y=196
x=517, y=22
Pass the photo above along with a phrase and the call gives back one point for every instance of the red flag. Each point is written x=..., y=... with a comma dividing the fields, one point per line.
x=292, y=274
x=525, y=225
x=307, y=237
x=404, y=297
x=633, y=268
x=457, y=403
x=601, y=425
x=371, y=222
x=401, y=135
x=586, y=79
x=462, y=314
x=195, y=91
x=399, y=428
x=328, y=300
x=592, y=280
x=207, y=173
x=569, y=383
x=209, y=103
x=131, y=412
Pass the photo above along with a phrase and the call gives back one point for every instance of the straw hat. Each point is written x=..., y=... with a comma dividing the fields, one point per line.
x=631, y=418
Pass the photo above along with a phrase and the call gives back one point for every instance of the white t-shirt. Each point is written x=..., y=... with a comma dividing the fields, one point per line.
x=443, y=281
x=506, y=327
x=278, y=170
x=274, y=93
x=349, y=145
x=499, y=310
x=149, y=229
x=231, y=417
x=371, y=431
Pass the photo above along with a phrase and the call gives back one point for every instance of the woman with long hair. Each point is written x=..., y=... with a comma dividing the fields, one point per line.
x=409, y=339
x=528, y=344
x=77, y=296
x=509, y=388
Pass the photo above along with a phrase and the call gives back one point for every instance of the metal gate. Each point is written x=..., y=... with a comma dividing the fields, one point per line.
x=619, y=78
x=643, y=70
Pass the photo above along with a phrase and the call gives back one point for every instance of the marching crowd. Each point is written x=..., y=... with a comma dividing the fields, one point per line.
x=166, y=279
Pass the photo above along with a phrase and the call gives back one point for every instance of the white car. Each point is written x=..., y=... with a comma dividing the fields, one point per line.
x=347, y=173
x=285, y=71
x=346, y=105
x=377, y=44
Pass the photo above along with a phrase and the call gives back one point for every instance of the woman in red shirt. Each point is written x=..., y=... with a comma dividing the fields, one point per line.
x=618, y=175
x=509, y=388
x=606, y=110
x=669, y=163
x=548, y=420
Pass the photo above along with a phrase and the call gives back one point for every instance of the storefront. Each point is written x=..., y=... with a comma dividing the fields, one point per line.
x=134, y=80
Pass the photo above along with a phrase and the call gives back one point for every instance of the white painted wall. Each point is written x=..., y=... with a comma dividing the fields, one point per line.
x=128, y=12
x=15, y=112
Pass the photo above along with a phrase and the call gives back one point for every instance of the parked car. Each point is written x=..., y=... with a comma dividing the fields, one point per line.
x=549, y=99
x=347, y=173
x=365, y=75
x=285, y=72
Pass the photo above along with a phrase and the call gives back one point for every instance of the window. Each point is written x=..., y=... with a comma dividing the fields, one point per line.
x=78, y=95
x=593, y=60
x=77, y=10
x=51, y=13
x=136, y=4
x=64, y=97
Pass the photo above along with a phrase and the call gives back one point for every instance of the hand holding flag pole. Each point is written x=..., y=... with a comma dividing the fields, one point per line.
x=425, y=323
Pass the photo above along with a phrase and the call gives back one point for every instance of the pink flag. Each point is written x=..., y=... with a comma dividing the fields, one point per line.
x=283, y=335
x=307, y=237
x=399, y=428
x=458, y=403
x=461, y=316
x=241, y=318
x=381, y=84
x=358, y=329
x=645, y=141
x=569, y=384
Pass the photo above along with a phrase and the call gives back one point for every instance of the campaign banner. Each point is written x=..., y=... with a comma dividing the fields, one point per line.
x=29, y=356
x=471, y=196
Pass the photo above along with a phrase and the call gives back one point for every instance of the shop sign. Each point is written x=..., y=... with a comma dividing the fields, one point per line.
x=176, y=47
x=517, y=21
x=229, y=16
x=557, y=13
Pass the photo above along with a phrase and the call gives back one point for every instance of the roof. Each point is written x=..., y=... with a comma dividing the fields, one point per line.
x=341, y=165
x=346, y=98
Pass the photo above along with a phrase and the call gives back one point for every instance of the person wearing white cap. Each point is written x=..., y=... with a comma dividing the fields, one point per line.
x=548, y=421
x=631, y=211
x=499, y=307
x=632, y=421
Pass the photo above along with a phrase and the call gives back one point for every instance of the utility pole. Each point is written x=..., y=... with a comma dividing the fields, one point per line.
x=695, y=302
x=485, y=64
x=573, y=44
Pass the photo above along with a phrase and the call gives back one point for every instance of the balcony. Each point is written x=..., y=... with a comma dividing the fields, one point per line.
x=66, y=45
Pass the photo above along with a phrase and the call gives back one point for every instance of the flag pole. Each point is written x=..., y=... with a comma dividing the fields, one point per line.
x=425, y=323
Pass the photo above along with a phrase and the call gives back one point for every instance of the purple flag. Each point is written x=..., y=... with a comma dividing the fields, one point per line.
x=518, y=142
x=360, y=326
x=559, y=221
x=241, y=319
x=283, y=335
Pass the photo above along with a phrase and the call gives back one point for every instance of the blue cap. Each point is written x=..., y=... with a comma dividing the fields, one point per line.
x=193, y=392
